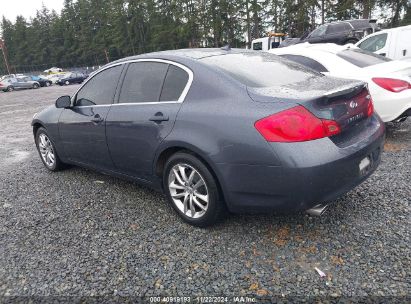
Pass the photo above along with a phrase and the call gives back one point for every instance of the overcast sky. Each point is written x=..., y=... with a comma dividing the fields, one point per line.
x=11, y=8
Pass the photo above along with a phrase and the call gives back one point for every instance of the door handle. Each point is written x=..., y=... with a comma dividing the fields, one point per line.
x=97, y=118
x=159, y=117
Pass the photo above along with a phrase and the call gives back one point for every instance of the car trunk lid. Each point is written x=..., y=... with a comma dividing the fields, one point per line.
x=345, y=101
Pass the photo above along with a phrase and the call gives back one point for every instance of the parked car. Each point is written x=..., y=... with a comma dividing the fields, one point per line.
x=11, y=76
x=54, y=78
x=44, y=82
x=53, y=70
x=271, y=41
x=217, y=129
x=393, y=43
x=339, y=32
x=388, y=80
x=11, y=84
x=5, y=85
x=70, y=78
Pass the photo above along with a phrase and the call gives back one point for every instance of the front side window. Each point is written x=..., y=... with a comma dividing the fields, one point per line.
x=143, y=82
x=374, y=43
x=361, y=58
x=100, y=89
x=260, y=69
x=319, y=32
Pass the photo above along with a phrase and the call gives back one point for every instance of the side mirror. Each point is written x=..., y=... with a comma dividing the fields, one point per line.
x=63, y=102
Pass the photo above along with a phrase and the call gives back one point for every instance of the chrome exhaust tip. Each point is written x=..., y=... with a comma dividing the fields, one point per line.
x=317, y=210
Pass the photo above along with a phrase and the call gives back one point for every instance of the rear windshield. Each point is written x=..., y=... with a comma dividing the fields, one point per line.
x=362, y=58
x=260, y=69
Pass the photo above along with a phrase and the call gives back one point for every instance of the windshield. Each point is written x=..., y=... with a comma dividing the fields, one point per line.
x=260, y=69
x=361, y=58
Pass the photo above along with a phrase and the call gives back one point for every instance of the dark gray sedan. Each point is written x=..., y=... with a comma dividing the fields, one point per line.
x=218, y=130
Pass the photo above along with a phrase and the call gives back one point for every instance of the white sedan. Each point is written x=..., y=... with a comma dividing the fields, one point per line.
x=388, y=80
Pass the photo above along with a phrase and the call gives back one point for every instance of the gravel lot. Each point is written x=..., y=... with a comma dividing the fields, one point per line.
x=80, y=233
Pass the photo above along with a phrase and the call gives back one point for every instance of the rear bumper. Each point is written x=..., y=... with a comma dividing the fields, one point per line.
x=391, y=106
x=311, y=173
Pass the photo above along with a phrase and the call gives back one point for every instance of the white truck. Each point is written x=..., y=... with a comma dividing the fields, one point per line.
x=272, y=41
x=393, y=43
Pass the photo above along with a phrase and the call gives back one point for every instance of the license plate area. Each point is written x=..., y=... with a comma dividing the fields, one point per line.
x=365, y=165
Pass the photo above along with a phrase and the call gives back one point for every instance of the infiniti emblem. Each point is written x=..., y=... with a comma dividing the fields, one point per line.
x=353, y=104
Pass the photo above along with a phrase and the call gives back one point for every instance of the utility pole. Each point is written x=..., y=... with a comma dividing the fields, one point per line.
x=105, y=52
x=4, y=51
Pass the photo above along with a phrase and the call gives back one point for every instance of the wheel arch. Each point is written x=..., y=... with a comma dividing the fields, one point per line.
x=36, y=125
x=166, y=152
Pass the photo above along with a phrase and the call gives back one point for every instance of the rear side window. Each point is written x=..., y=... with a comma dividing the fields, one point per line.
x=143, y=82
x=174, y=84
x=256, y=69
x=308, y=62
x=374, y=43
x=362, y=58
x=338, y=28
x=100, y=89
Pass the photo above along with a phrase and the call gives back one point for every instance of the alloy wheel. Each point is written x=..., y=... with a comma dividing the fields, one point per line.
x=46, y=150
x=188, y=190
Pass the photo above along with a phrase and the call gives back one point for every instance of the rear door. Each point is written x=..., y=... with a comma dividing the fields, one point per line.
x=403, y=44
x=83, y=126
x=337, y=33
x=20, y=84
x=148, y=103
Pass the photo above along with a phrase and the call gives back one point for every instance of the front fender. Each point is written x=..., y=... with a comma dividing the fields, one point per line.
x=48, y=119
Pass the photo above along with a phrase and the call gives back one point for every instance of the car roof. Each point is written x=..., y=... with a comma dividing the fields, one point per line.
x=400, y=28
x=194, y=54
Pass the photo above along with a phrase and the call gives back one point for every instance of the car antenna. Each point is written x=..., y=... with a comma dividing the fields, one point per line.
x=226, y=47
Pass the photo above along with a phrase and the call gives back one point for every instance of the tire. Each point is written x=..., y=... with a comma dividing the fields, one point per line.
x=353, y=41
x=44, y=147
x=67, y=82
x=35, y=86
x=48, y=83
x=200, y=189
x=10, y=89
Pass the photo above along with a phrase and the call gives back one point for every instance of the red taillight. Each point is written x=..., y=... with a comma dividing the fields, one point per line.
x=295, y=124
x=370, y=107
x=393, y=85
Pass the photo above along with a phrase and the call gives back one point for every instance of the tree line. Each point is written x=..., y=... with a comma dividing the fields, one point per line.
x=92, y=32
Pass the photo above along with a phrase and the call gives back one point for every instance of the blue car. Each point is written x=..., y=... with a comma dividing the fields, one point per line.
x=42, y=81
x=218, y=130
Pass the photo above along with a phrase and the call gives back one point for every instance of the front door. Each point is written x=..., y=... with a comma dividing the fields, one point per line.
x=317, y=36
x=83, y=126
x=149, y=101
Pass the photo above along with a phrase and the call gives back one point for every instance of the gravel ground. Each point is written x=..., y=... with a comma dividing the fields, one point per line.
x=80, y=233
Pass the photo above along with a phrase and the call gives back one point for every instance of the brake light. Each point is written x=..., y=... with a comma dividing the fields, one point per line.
x=393, y=85
x=295, y=125
x=370, y=107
